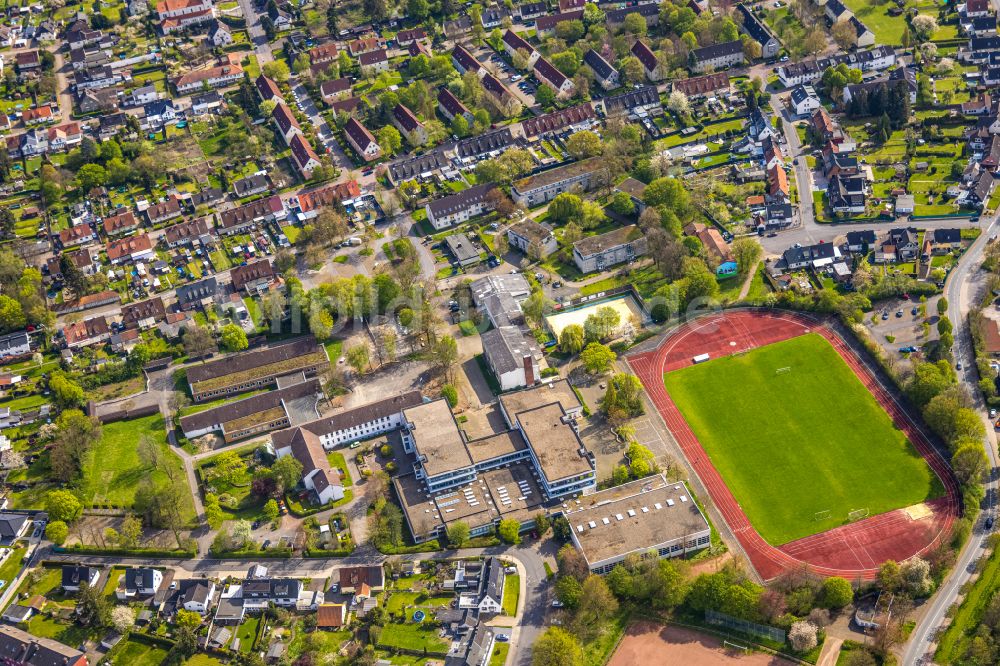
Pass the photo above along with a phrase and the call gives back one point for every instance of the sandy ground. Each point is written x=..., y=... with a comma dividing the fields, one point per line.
x=648, y=643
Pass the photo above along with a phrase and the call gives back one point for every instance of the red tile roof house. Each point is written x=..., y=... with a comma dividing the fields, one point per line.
x=361, y=46
x=38, y=116
x=253, y=277
x=267, y=89
x=323, y=54
x=121, y=221
x=27, y=60
x=285, y=120
x=78, y=235
x=310, y=203
x=86, y=332
x=450, y=106
x=131, y=249
x=164, y=211
x=407, y=37
x=654, y=70
x=248, y=216
x=305, y=158
x=362, y=140
x=185, y=233
x=215, y=77
x=408, y=125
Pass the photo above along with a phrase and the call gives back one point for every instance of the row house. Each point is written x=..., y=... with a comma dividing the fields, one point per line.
x=176, y=15
x=335, y=89
x=267, y=89
x=574, y=118
x=374, y=63
x=251, y=185
x=650, y=12
x=80, y=234
x=286, y=123
x=249, y=216
x=87, y=332
x=717, y=56
x=186, y=233
x=634, y=103
x=708, y=85
x=144, y=314
x=359, y=47
x=215, y=77
x=546, y=25
x=754, y=28
x=465, y=61
x=499, y=96
x=308, y=204
x=876, y=59
x=253, y=278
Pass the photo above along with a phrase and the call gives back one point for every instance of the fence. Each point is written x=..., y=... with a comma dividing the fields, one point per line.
x=744, y=626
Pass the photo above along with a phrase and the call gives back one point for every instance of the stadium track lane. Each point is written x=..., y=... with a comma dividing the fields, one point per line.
x=852, y=551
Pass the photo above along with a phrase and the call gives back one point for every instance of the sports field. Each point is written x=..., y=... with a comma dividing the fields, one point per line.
x=807, y=440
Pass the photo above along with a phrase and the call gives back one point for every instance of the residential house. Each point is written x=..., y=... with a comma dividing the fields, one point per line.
x=158, y=114
x=716, y=57
x=816, y=256
x=634, y=103
x=254, y=277
x=13, y=525
x=196, y=595
x=138, y=582
x=514, y=44
x=847, y=194
x=715, y=245
x=459, y=207
x=250, y=215
x=251, y=185
x=649, y=11
x=267, y=89
x=286, y=123
x=335, y=89
x=359, y=47
x=546, y=73
x=804, y=101
x=572, y=119
x=75, y=576
x=450, y=106
x=946, y=240
x=122, y=221
x=19, y=648
x=498, y=96
x=362, y=140
x=308, y=204
x=324, y=54
x=80, y=234
x=352, y=578
x=185, y=233
x=703, y=86
x=757, y=31
x=546, y=185
x=863, y=36
x=861, y=241
x=606, y=76
x=178, y=14
x=532, y=238
x=597, y=253
x=215, y=77
x=465, y=61
x=512, y=356
x=130, y=249
x=655, y=71
x=408, y=125
x=196, y=295
x=220, y=35
x=305, y=158
x=546, y=25
x=331, y=616
x=281, y=19
x=374, y=63
x=144, y=314
x=164, y=211
x=407, y=37
x=532, y=10
x=836, y=11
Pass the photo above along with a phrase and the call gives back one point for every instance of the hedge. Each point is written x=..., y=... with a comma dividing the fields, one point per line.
x=272, y=553
x=125, y=552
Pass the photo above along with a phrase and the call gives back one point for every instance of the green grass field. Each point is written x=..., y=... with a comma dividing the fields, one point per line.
x=112, y=469
x=809, y=440
x=954, y=643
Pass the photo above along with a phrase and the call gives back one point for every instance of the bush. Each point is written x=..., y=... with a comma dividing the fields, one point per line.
x=450, y=393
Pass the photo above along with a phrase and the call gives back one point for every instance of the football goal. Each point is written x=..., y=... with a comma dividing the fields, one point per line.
x=729, y=645
x=821, y=515
x=857, y=514
x=783, y=371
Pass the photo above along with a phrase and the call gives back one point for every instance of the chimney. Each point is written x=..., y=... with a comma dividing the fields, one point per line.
x=529, y=369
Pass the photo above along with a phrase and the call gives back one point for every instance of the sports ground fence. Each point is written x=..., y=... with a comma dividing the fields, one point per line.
x=745, y=626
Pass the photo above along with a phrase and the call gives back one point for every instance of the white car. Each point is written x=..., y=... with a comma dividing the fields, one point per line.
x=557, y=604
x=515, y=78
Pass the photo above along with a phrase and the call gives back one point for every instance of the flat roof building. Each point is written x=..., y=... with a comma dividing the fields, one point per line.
x=251, y=370
x=645, y=516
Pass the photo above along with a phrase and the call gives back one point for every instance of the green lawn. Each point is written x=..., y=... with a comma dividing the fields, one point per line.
x=112, y=470
x=412, y=637
x=337, y=460
x=11, y=566
x=887, y=29
x=499, y=657
x=135, y=652
x=511, y=591
x=808, y=440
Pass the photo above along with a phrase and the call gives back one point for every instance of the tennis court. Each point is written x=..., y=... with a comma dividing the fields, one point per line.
x=624, y=305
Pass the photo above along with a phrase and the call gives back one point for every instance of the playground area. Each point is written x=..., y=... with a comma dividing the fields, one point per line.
x=650, y=643
x=624, y=304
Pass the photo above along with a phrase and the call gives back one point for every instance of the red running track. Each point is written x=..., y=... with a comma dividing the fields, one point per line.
x=851, y=551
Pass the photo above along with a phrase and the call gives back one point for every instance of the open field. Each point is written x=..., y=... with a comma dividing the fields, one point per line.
x=794, y=444
x=649, y=643
x=112, y=470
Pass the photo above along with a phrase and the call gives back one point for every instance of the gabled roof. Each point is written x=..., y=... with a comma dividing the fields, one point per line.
x=186, y=230
x=703, y=85
x=405, y=118
x=557, y=120
x=328, y=195
x=516, y=42
x=753, y=27
x=253, y=271
x=494, y=87
x=267, y=88
x=120, y=219
x=465, y=59
x=645, y=55
x=129, y=246
x=544, y=23
x=721, y=50
x=602, y=68
x=373, y=57
x=450, y=103
x=359, y=133
x=284, y=118
x=302, y=152
x=251, y=212
x=334, y=86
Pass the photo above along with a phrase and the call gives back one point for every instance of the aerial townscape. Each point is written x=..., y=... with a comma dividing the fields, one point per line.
x=521, y=333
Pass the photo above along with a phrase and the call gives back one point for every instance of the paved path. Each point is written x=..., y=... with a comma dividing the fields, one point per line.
x=831, y=652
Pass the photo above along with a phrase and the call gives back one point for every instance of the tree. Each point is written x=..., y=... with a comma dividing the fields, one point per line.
x=632, y=70
x=747, y=253
x=63, y=505
x=601, y=325
x=57, y=531
x=185, y=619
x=92, y=607
x=90, y=176
x=597, y=358
x=130, y=532
x=122, y=619
x=545, y=95
x=969, y=463
x=329, y=226
x=198, y=341
x=597, y=603
x=510, y=531
x=277, y=70
x=916, y=576
x=623, y=397
x=678, y=103
x=66, y=392
x=445, y=353
x=584, y=144
x=458, y=534
x=270, y=510
x=836, y=593
x=571, y=339
x=234, y=338
x=565, y=207
x=11, y=314
x=844, y=34
x=556, y=647
x=668, y=192
x=358, y=357
x=622, y=204
x=568, y=591
x=7, y=221
x=389, y=140
x=942, y=305
x=76, y=433
x=229, y=468
x=924, y=25
x=287, y=472
x=802, y=636
x=542, y=523
x=889, y=576
x=635, y=24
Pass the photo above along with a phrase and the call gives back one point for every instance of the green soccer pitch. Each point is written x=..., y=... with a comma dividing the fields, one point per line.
x=798, y=438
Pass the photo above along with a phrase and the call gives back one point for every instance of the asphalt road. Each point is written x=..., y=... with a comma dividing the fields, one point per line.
x=961, y=291
x=256, y=32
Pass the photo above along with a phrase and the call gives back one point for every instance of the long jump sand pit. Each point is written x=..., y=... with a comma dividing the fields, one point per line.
x=650, y=643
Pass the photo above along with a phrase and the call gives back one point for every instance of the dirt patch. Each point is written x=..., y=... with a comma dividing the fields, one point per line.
x=649, y=643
